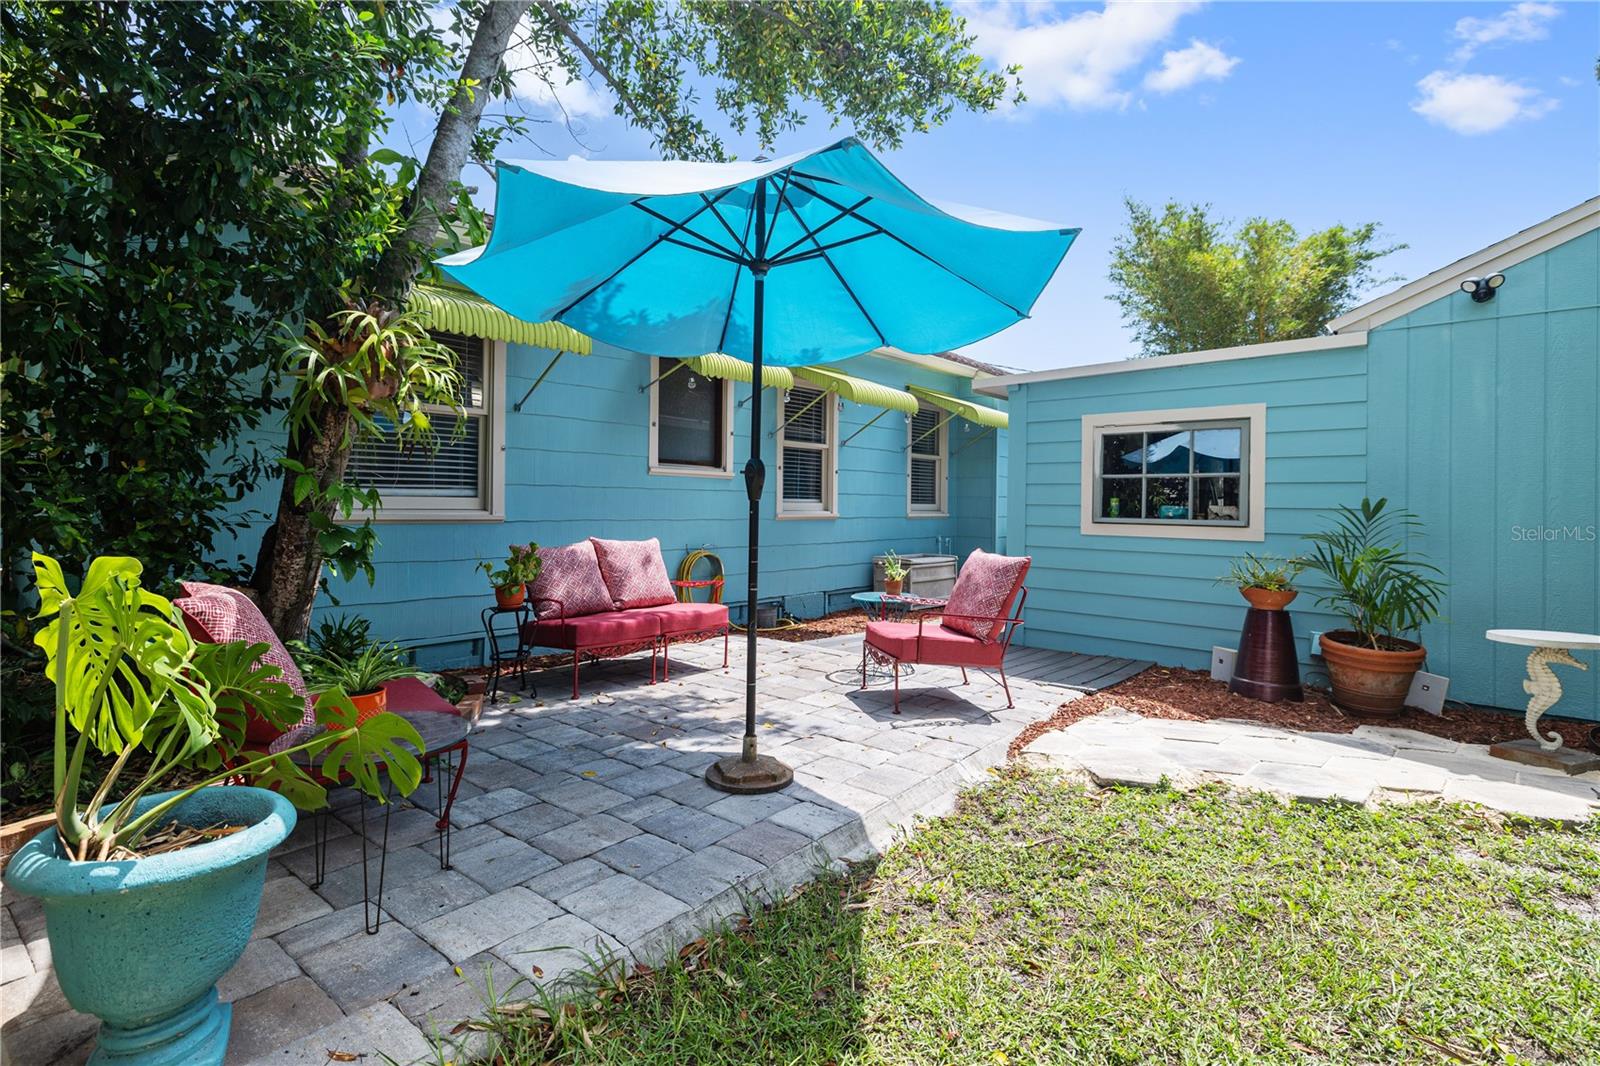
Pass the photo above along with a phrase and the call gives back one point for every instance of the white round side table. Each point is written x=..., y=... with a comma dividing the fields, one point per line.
x=1543, y=686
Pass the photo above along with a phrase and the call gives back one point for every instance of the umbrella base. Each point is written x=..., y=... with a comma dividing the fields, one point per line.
x=756, y=774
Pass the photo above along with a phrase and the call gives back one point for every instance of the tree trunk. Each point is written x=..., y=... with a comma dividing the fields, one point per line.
x=289, y=565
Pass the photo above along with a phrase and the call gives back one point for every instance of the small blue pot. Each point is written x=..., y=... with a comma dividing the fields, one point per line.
x=141, y=943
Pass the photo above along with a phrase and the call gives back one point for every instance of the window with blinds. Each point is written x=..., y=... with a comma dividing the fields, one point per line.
x=926, y=469
x=806, y=457
x=449, y=473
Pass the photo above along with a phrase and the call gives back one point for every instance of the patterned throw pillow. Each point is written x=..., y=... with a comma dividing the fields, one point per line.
x=570, y=574
x=634, y=572
x=984, y=590
x=216, y=614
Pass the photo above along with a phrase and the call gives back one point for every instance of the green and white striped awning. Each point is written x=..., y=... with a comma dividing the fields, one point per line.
x=717, y=365
x=455, y=311
x=857, y=390
x=975, y=413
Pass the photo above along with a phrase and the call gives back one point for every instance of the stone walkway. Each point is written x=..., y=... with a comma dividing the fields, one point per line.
x=583, y=831
x=1371, y=764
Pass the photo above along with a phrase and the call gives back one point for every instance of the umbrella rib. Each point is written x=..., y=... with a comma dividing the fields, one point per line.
x=719, y=253
x=744, y=248
x=865, y=200
x=713, y=245
x=727, y=316
x=646, y=250
x=908, y=246
x=783, y=201
x=821, y=248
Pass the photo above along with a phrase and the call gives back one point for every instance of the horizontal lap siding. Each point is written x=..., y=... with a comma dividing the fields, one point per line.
x=1484, y=416
x=1156, y=597
x=577, y=466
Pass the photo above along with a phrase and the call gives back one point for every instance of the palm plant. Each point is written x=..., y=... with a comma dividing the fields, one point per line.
x=1380, y=588
x=128, y=678
x=364, y=672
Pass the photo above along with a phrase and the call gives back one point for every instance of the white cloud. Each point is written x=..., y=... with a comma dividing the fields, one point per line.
x=1478, y=103
x=539, y=80
x=1525, y=21
x=1080, y=60
x=1189, y=66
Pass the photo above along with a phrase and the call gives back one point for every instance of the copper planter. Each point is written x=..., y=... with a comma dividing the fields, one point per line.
x=1267, y=667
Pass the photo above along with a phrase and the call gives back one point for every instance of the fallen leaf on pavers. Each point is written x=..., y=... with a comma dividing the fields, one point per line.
x=587, y=773
x=537, y=973
x=343, y=1056
x=458, y=972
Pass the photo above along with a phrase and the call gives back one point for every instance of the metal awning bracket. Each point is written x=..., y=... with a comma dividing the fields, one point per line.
x=864, y=428
x=931, y=432
x=822, y=395
x=537, y=382
x=971, y=442
x=681, y=363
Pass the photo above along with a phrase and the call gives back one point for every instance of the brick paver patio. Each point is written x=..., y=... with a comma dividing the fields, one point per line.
x=583, y=831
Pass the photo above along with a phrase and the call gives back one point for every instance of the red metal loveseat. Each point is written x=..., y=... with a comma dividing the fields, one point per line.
x=974, y=629
x=606, y=598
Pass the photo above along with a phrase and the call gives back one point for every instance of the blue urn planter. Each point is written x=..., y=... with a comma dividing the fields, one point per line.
x=141, y=943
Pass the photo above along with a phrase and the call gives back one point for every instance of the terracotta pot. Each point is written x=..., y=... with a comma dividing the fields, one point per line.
x=892, y=586
x=370, y=703
x=510, y=596
x=1269, y=599
x=1367, y=681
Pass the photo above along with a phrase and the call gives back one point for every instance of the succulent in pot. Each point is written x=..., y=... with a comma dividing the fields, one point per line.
x=1265, y=581
x=1384, y=593
x=150, y=896
x=894, y=573
x=511, y=581
x=361, y=676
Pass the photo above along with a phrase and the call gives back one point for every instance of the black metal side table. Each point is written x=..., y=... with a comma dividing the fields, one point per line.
x=498, y=654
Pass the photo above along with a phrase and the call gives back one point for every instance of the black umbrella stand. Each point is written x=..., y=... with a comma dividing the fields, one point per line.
x=750, y=771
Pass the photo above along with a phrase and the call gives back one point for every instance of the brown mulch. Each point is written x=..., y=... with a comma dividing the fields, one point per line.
x=1191, y=695
x=853, y=620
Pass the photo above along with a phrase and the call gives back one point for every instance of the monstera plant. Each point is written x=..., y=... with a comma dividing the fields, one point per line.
x=129, y=875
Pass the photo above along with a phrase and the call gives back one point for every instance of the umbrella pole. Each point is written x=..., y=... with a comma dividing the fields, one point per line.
x=750, y=771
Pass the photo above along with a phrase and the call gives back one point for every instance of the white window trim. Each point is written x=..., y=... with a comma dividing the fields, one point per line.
x=1254, y=528
x=942, y=438
x=491, y=506
x=657, y=467
x=830, y=462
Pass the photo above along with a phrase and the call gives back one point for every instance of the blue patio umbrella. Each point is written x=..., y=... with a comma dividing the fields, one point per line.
x=809, y=259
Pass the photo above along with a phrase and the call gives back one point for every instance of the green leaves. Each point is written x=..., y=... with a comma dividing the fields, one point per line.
x=1185, y=285
x=384, y=744
x=241, y=684
x=1376, y=583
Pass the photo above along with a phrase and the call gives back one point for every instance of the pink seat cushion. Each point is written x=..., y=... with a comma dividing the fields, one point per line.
x=594, y=630
x=938, y=647
x=569, y=583
x=413, y=694
x=216, y=614
x=634, y=572
x=689, y=617
x=984, y=590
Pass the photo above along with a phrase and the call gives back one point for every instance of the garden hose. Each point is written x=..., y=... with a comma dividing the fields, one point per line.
x=686, y=573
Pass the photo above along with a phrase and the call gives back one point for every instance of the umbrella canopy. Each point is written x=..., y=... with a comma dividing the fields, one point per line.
x=810, y=259
x=656, y=257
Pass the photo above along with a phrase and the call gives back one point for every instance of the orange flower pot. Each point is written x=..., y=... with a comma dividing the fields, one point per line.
x=1366, y=680
x=370, y=703
x=1269, y=599
x=510, y=597
x=892, y=586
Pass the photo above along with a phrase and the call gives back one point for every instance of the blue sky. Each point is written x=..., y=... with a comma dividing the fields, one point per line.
x=1451, y=124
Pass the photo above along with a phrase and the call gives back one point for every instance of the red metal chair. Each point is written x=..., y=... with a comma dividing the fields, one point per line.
x=935, y=643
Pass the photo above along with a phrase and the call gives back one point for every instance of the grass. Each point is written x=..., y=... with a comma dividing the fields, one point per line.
x=1043, y=923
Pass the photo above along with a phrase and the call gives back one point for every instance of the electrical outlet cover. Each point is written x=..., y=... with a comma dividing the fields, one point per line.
x=1222, y=663
x=1428, y=692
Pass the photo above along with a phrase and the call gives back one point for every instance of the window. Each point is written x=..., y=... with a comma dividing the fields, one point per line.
x=463, y=477
x=807, y=460
x=1193, y=473
x=926, y=458
x=691, y=422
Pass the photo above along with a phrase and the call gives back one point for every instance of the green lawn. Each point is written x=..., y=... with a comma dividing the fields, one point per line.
x=1043, y=923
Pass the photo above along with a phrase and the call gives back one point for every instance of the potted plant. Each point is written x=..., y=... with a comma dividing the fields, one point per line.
x=894, y=573
x=360, y=677
x=1265, y=581
x=150, y=897
x=1383, y=592
x=512, y=580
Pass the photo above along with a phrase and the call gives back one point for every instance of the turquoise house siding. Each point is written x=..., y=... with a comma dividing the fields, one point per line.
x=577, y=466
x=1480, y=418
x=1484, y=423
x=1156, y=598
